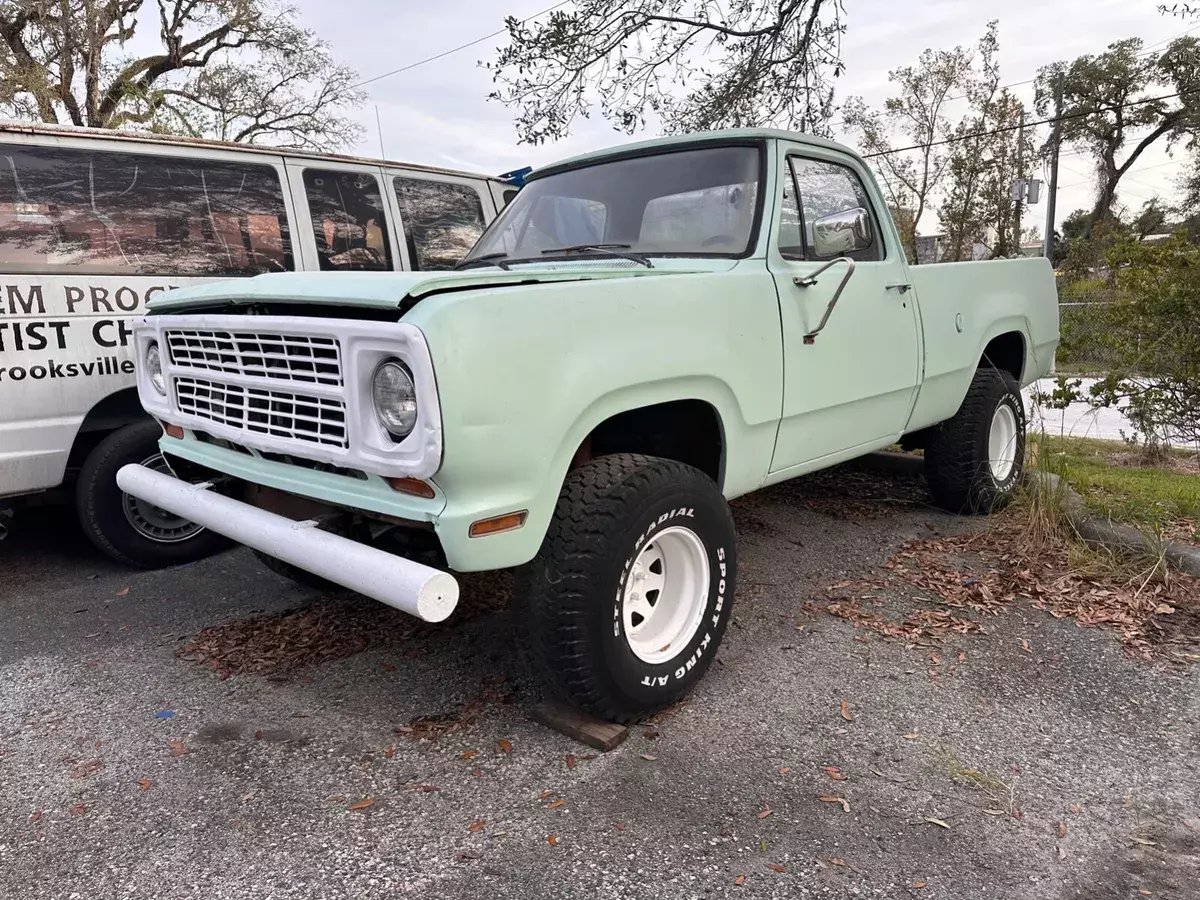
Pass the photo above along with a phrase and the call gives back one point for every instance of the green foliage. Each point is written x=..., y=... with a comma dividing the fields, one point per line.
x=239, y=70
x=1154, y=333
x=695, y=64
x=1112, y=106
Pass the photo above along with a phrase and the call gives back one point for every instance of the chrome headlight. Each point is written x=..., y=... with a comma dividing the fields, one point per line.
x=154, y=368
x=395, y=398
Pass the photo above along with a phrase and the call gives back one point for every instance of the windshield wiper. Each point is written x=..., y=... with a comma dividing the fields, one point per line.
x=488, y=259
x=610, y=249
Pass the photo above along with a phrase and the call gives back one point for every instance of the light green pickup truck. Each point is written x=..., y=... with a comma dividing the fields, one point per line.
x=643, y=334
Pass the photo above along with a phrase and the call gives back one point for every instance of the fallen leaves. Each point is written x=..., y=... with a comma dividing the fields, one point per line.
x=783, y=770
x=361, y=804
x=555, y=804
x=78, y=809
x=145, y=784
x=468, y=754
x=650, y=757
x=504, y=745
x=835, y=773
x=477, y=826
x=740, y=880
x=122, y=592
x=552, y=840
x=912, y=736
x=938, y=822
x=570, y=760
x=776, y=867
x=831, y=799
x=87, y=768
x=618, y=826
x=846, y=714
x=919, y=884
x=765, y=811
x=1061, y=829
x=1025, y=646
x=177, y=747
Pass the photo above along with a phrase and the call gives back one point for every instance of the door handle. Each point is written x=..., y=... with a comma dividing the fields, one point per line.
x=899, y=287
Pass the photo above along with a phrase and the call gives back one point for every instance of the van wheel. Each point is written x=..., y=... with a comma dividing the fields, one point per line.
x=974, y=461
x=627, y=600
x=126, y=528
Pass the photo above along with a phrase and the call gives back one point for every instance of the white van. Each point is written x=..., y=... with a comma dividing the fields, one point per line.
x=95, y=223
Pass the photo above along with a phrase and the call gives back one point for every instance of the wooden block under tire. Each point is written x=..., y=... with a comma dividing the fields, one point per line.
x=596, y=733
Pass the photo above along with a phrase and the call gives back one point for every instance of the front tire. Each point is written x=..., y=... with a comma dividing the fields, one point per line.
x=974, y=461
x=125, y=528
x=626, y=603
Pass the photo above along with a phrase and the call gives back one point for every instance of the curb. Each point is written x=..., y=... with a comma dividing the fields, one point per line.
x=1098, y=531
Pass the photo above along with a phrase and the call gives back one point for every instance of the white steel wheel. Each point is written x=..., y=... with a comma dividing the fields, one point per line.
x=665, y=595
x=1002, y=442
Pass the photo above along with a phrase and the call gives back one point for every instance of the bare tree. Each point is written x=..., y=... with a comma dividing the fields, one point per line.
x=916, y=115
x=236, y=69
x=694, y=64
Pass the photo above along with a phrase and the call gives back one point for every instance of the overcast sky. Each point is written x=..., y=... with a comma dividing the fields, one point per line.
x=439, y=114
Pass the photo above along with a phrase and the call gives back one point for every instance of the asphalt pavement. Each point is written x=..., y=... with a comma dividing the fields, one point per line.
x=814, y=760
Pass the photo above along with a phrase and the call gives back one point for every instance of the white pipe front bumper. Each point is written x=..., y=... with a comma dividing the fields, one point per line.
x=409, y=586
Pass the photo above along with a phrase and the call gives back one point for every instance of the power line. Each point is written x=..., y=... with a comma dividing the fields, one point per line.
x=445, y=53
x=1052, y=119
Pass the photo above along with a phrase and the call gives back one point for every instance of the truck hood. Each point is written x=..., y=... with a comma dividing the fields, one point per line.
x=383, y=290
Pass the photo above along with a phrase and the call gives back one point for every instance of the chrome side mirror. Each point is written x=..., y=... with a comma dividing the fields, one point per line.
x=842, y=232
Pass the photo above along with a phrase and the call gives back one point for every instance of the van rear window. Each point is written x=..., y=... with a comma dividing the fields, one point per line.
x=108, y=213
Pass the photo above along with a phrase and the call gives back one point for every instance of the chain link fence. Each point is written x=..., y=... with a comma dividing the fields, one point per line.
x=1087, y=329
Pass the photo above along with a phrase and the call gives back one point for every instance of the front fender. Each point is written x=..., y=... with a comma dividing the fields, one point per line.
x=524, y=374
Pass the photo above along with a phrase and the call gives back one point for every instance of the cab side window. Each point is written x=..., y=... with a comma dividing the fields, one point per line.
x=825, y=189
x=442, y=221
x=348, y=221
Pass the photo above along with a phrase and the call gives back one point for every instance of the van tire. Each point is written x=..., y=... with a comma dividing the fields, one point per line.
x=106, y=515
x=958, y=467
x=573, y=600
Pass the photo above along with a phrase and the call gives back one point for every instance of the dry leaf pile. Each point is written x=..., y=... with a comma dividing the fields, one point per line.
x=973, y=576
x=279, y=644
x=432, y=727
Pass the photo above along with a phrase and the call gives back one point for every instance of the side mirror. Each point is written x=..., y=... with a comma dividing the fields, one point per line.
x=842, y=232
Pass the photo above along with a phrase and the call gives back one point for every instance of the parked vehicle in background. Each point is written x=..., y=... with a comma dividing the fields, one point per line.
x=641, y=335
x=94, y=224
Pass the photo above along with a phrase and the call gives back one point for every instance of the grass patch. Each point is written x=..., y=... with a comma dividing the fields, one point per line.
x=1163, y=498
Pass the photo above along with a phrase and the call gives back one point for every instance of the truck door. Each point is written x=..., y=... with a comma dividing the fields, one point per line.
x=849, y=386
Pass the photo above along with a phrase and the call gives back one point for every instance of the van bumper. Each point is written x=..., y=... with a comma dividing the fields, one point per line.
x=416, y=589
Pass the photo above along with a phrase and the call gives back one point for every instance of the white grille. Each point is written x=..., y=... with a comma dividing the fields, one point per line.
x=306, y=359
x=280, y=414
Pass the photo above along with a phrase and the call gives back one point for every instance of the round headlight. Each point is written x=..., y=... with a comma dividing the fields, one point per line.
x=155, y=370
x=395, y=398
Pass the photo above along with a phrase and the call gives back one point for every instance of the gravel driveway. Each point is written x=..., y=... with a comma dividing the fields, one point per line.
x=814, y=760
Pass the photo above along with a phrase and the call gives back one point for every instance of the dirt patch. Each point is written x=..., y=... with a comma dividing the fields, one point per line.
x=983, y=573
x=278, y=646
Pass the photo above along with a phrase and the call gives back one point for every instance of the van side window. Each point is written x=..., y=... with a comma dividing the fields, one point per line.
x=509, y=195
x=348, y=221
x=442, y=221
x=827, y=188
x=100, y=212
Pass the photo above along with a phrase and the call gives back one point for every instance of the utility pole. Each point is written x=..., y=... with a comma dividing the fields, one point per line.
x=1055, y=139
x=1020, y=181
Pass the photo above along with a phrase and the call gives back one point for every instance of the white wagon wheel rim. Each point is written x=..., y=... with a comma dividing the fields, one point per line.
x=1002, y=442
x=665, y=595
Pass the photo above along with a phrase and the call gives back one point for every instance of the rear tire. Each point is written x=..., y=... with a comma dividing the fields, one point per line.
x=626, y=603
x=975, y=460
x=129, y=530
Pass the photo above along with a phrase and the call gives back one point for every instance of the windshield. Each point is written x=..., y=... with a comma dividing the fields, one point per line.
x=689, y=202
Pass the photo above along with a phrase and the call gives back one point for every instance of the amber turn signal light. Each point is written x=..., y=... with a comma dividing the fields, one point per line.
x=496, y=524
x=175, y=431
x=414, y=486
